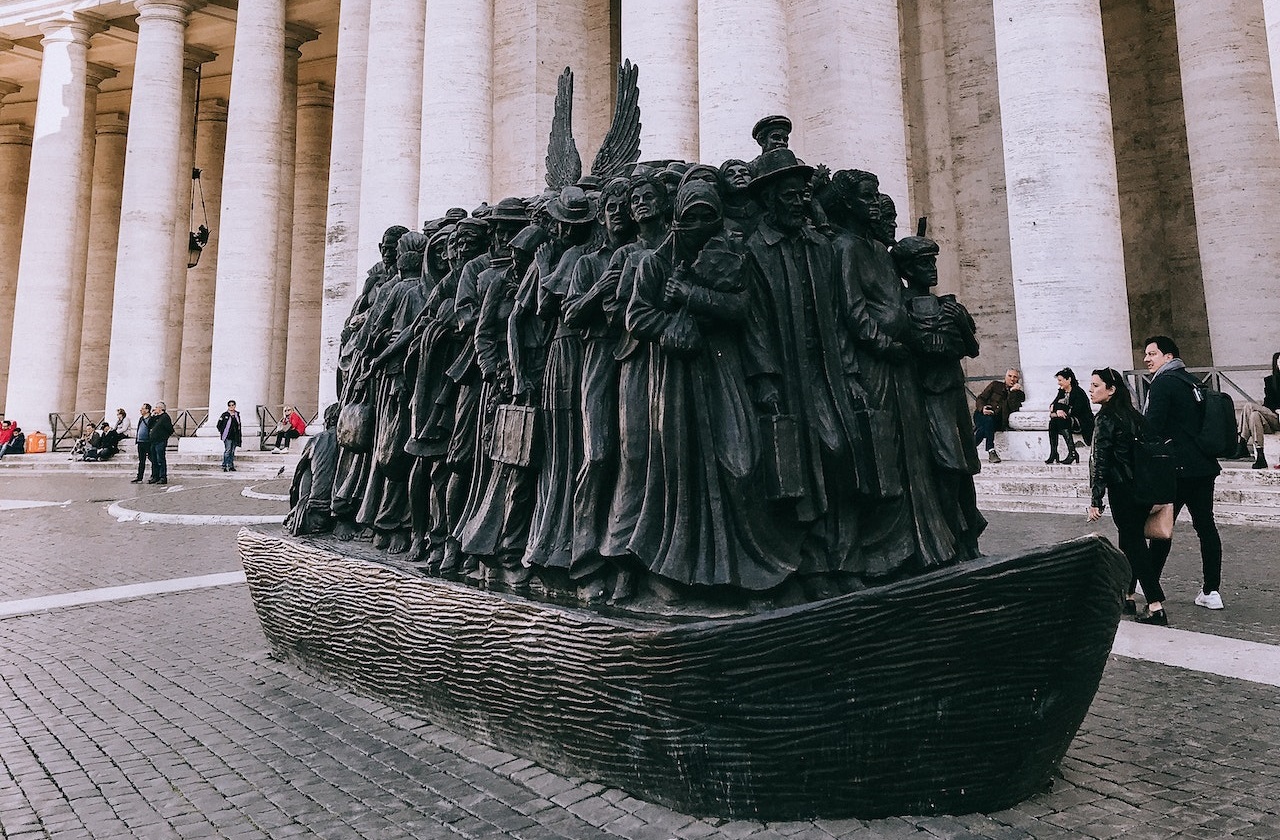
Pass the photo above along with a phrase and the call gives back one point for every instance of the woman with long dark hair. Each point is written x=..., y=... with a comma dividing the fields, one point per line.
x=1111, y=474
x=1068, y=413
x=1259, y=419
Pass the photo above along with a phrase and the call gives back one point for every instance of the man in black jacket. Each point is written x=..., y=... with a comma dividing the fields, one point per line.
x=229, y=431
x=1175, y=412
x=161, y=431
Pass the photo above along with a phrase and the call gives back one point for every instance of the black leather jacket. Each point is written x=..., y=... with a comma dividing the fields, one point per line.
x=1112, y=453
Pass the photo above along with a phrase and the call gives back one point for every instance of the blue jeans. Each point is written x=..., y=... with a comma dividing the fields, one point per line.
x=228, y=455
x=159, y=466
x=984, y=428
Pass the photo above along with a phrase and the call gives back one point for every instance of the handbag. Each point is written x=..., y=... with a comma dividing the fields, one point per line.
x=355, y=426
x=513, y=430
x=1159, y=524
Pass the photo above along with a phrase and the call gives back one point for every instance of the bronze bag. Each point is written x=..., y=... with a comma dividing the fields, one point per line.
x=513, y=432
x=355, y=426
x=780, y=445
x=1159, y=525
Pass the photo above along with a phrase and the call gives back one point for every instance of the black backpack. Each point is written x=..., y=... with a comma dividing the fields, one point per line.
x=1218, y=433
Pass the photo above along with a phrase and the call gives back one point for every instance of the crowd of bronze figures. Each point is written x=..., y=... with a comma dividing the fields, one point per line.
x=682, y=381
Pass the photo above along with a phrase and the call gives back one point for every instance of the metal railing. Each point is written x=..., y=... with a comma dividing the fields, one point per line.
x=1224, y=379
x=268, y=421
x=69, y=426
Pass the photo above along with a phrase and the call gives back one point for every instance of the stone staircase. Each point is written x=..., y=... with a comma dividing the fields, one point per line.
x=249, y=464
x=1242, y=496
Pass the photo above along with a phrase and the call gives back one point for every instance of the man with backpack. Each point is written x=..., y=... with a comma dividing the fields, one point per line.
x=1176, y=412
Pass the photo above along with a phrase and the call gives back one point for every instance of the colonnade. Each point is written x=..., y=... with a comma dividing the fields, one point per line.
x=98, y=308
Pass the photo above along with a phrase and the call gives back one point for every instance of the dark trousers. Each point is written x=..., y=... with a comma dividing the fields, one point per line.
x=1130, y=518
x=1060, y=427
x=984, y=428
x=159, y=465
x=283, y=438
x=1196, y=495
x=144, y=452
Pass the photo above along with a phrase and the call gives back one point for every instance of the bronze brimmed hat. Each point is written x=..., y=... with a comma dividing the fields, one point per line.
x=572, y=206
x=510, y=210
x=762, y=127
x=776, y=164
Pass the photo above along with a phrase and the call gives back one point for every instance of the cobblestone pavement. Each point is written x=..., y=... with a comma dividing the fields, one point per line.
x=165, y=717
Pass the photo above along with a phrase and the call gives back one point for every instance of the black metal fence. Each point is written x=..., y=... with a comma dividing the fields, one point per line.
x=68, y=427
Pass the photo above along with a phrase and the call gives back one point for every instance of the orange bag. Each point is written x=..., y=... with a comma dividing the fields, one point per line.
x=37, y=443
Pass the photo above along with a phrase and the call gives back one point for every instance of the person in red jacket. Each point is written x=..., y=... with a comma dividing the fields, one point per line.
x=290, y=427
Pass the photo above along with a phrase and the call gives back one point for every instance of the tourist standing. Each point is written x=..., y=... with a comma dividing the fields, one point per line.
x=143, y=440
x=229, y=430
x=161, y=431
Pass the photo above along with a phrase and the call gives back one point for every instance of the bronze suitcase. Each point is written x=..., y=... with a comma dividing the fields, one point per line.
x=513, y=432
x=780, y=446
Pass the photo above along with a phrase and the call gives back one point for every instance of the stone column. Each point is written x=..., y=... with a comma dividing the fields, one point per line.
x=42, y=317
x=1234, y=147
x=295, y=37
x=247, y=260
x=661, y=36
x=392, y=120
x=197, y=331
x=95, y=75
x=148, y=214
x=741, y=47
x=184, y=192
x=342, y=259
x=15, y=164
x=1064, y=206
x=1271, y=12
x=846, y=90
x=310, y=200
x=457, y=117
x=100, y=275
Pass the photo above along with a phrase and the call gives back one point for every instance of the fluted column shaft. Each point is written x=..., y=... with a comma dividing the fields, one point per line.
x=457, y=117
x=197, y=304
x=15, y=165
x=247, y=259
x=342, y=270
x=846, y=89
x=284, y=228
x=392, y=120
x=46, y=271
x=1234, y=147
x=100, y=274
x=95, y=75
x=310, y=200
x=184, y=225
x=1064, y=205
x=662, y=39
x=741, y=47
x=148, y=214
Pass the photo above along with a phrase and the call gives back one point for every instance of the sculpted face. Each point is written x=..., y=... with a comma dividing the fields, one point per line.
x=699, y=223
x=864, y=205
x=738, y=176
x=646, y=204
x=503, y=233
x=787, y=202
x=922, y=272
x=469, y=243
x=775, y=138
x=615, y=214
x=388, y=248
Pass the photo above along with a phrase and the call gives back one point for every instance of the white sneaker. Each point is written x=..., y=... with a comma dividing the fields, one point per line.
x=277, y=451
x=1212, y=601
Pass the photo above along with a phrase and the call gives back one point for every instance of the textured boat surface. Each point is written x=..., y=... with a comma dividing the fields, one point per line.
x=953, y=692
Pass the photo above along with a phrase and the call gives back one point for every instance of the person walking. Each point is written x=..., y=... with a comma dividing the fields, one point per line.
x=161, y=431
x=1112, y=471
x=142, y=437
x=1174, y=413
x=1068, y=413
x=229, y=430
x=992, y=409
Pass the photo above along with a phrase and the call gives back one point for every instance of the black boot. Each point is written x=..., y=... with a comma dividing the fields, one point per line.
x=1242, y=449
x=1053, y=457
x=1073, y=456
x=1260, y=460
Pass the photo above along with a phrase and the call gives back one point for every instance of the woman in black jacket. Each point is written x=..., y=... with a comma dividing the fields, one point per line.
x=1068, y=413
x=1259, y=419
x=1111, y=473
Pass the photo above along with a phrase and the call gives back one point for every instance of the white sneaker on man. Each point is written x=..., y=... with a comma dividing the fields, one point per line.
x=1212, y=601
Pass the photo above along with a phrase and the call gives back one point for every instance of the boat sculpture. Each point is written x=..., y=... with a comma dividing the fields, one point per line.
x=664, y=478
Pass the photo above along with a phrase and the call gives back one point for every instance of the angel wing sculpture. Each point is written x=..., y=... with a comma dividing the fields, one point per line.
x=621, y=145
x=564, y=166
